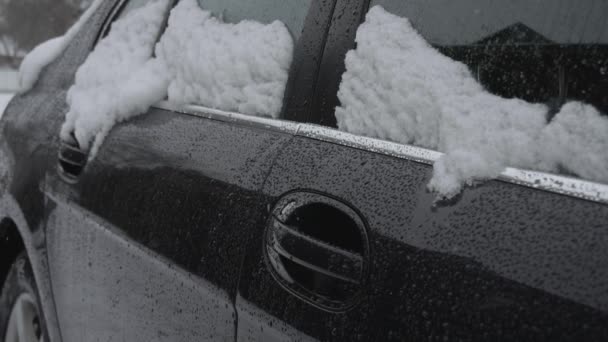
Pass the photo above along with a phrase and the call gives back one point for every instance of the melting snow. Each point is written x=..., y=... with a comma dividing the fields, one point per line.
x=45, y=53
x=199, y=60
x=115, y=81
x=398, y=87
x=239, y=67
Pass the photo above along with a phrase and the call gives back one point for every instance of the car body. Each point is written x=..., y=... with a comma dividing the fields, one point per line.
x=184, y=226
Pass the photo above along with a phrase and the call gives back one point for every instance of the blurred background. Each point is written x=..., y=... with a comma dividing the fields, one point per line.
x=25, y=24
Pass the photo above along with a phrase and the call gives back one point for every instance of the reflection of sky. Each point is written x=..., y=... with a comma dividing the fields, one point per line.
x=466, y=21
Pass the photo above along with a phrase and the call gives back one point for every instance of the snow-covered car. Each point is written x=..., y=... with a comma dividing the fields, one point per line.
x=287, y=170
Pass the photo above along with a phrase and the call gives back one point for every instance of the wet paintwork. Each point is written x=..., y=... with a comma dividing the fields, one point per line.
x=184, y=187
x=502, y=262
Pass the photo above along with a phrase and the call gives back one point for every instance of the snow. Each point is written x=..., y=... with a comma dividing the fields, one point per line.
x=199, y=60
x=577, y=140
x=5, y=98
x=399, y=88
x=47, y=52
x=116, y=80
x=240, y=67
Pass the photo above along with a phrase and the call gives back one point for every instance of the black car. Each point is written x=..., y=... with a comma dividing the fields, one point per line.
x=193, y=223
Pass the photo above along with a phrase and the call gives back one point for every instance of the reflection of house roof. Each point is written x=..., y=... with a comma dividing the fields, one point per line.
x=516, y=34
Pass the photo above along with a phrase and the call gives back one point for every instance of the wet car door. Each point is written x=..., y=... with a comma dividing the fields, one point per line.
x=145, y=244
x=355, y=248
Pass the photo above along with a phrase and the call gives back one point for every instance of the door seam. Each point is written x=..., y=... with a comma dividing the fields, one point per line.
x=248, y=244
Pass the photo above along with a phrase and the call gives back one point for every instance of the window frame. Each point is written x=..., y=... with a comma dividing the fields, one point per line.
x=347, y=17
x=308, y=53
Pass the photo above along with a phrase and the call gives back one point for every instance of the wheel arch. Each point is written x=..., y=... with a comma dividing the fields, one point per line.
x=15, y=234
x=19, y=237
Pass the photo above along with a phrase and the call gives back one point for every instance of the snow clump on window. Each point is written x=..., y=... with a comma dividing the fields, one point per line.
x=398, y=87
x=199, y=60
x=239, y=67
x=115, y=81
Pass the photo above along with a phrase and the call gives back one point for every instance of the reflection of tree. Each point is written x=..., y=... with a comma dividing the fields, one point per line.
x=26, y=23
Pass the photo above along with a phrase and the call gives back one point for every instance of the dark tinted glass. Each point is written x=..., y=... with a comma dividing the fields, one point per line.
x=548, y=51
x=291, y=12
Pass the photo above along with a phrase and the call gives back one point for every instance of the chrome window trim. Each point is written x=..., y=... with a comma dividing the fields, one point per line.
x=559, y=184
x=288, y=127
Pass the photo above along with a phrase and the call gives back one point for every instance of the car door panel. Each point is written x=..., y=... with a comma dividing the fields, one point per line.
x=256, y=324
x=169, y=204
x=181, y=188
x=109, y=287
x=503, y=261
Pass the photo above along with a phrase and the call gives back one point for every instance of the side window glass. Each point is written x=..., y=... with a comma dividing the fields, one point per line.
x=540, y=51
x=232, y=55
x=131, y=5
x=492, y=84
x=226, y=55
x=290, y=12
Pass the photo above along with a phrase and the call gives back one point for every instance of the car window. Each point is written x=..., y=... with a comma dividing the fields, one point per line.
x=201, y=58
x=131, y=5
x=545, y=51
x=290, y=12
x=491, y=84
x=237, y=57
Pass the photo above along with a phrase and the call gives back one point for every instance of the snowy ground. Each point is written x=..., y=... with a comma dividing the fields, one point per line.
x=9, y=84
x=9, y=80
x=4, y=99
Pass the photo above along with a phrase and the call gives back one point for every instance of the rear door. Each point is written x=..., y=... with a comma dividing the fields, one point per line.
x=146, y=243
x=355, y=247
